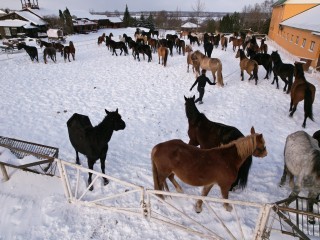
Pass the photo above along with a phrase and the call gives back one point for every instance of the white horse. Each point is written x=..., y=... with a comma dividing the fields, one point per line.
x=302, y=160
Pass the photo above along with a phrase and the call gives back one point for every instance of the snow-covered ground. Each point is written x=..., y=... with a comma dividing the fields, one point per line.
x=37, y=100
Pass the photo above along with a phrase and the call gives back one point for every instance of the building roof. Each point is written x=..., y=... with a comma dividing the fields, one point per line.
x=82, y=22
x=31, y=18
x=43, y=12
x=13, y=23
x=115, y=19
x=189, y=25
x=281, y=2
x=307, y=20
x=2, y=12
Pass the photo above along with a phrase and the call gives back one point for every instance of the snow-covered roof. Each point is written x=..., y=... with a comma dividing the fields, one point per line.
x=13, y=23
x=114, y=19
x=189, y=25
x=2, y=12
x=31, y=17
x=42, y=12
x=82, y=22
x=281, y=2
x=307, y=20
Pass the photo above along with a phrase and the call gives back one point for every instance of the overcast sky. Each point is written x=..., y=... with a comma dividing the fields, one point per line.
x=136, y=5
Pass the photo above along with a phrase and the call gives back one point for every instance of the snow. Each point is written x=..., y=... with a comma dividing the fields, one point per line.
x=37, y=100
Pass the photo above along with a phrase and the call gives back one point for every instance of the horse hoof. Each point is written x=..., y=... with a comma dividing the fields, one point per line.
x=228, y=207
x=311, y=220
x=91, y=188
x=105, y=181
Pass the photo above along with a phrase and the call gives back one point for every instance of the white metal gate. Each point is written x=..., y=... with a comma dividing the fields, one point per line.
x=176, y=210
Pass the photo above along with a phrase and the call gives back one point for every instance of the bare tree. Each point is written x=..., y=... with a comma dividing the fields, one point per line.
x=198, y=8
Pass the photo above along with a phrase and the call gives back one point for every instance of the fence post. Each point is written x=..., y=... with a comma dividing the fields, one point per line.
x=4, y=172
x=262, y=221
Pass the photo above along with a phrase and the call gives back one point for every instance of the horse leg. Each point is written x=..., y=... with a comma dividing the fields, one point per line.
x=284, y=176
x=77, y=158
x=175, y=183
x=214, y=77
x=293, y=109
x=205, y=191
x=102, y=161
x=225, y=194
x=241, y=75
x=90, y=165
x=312, y=199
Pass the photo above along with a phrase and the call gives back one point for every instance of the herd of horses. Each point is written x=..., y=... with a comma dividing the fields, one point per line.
x=216, y=153
x=50, y=50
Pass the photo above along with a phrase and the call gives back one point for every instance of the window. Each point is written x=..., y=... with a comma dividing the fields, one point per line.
x=303, y=43
x=14, y=31
x=287, y=36
x=7, y=31
x=297, y=40
x=312, y=45
x=291, y=39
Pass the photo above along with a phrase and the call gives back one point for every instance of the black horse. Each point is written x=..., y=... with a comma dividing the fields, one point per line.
x=210, y=134
x=208, y=47
x=284, y=70
x=31, y=50
x=118, y=45
x=51, y=52
x=93, y=141
x=193, y=39
x=265, y=60
x=140, y=48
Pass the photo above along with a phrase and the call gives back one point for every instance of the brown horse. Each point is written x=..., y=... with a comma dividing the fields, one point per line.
x=163, y=53
x=224, y=42
x=195, y=63
x=69, y=50
x=101, y=39
x=263, y=47
x=251, y=66
x=302, y=90
x=204, y=167
x=212, y=64
x=236, y=42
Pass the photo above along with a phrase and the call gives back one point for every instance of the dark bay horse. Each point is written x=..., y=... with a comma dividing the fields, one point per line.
x=118, y=45
x=208, y=134
x=140, y=48
x=163, y=53
x=51, y=52
x=204, y=167
x=31, y=50
x=263, y=47
x=265, y=60
x=93, y=141
x=302, y=161
x=42, y=43
x=208, y=48
x=69, y=50
x=284, y=70
x=248, y=65
x=302, y=90
x=181, y=46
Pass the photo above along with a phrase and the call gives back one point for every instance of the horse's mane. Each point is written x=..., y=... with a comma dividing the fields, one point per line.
x=299, y=71
x=244, y=145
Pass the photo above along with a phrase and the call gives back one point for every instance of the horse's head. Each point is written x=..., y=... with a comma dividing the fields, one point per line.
x=275, y=55
x=115, y=118
x=191, y=109
x=260, y=147
x=21, y=45
x=239, y=52
x=298, y=70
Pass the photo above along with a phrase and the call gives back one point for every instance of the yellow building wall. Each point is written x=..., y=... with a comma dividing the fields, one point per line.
x=283, y=36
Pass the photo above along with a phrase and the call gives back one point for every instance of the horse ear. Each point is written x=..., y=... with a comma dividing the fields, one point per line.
x=107, y=112
x=185, y=98
x=117, y=110
x=252, y=130
x=194, y=97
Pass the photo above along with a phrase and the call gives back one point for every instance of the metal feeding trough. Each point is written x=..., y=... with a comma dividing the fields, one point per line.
x=44, y=154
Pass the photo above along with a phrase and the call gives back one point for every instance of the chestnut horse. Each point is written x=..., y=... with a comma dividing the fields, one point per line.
x=302, y=90
x=211, y=64
x=236, y=42
x=249, y=65
x=163, y=53
x=101, y=39
x=204, y=167
x=195, y=64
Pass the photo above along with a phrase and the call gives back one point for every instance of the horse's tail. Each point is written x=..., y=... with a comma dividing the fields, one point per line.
x=243, y=174
x=165, y=56
x=308, y=100
x=269, y=67
x=155, y=170
x=219, y=74
x=45, y=56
